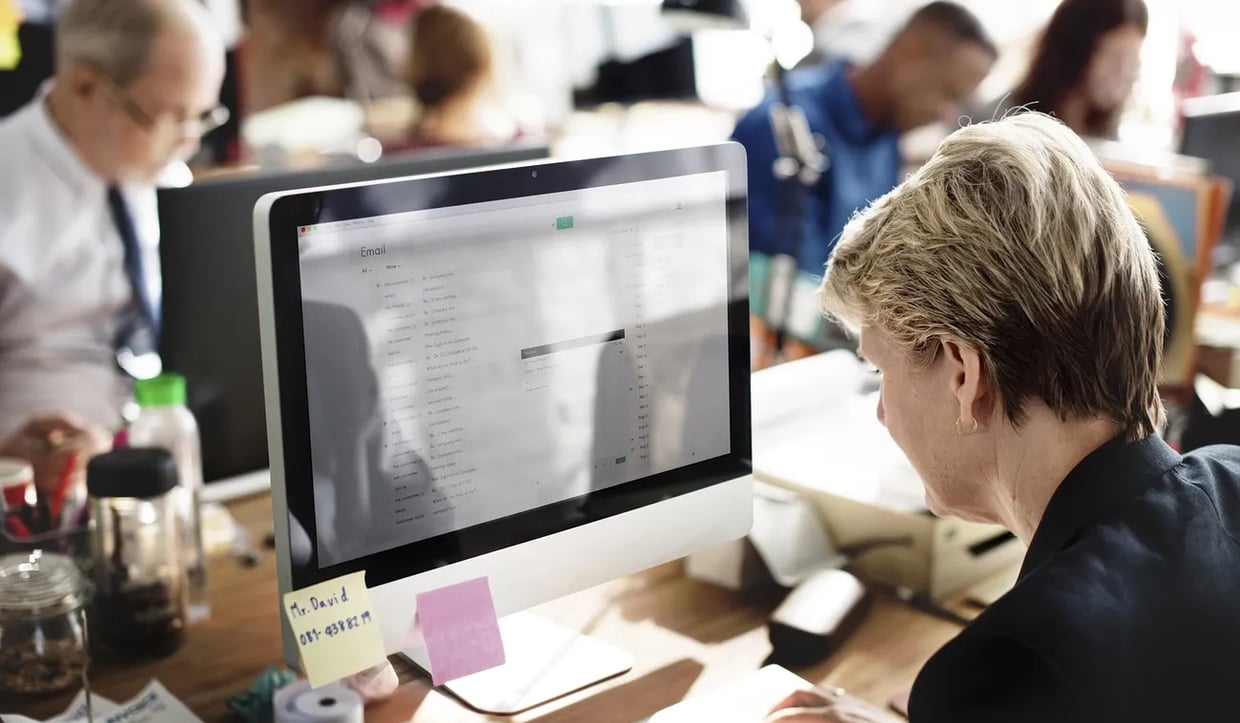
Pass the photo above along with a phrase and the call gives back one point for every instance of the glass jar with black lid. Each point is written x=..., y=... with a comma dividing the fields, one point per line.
x=140, y=599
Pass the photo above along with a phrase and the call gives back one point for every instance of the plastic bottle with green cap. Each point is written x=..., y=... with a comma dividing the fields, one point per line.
x=165, y=421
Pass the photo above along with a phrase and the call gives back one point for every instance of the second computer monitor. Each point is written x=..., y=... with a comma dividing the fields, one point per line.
x=210, y=317
x=1212, y=132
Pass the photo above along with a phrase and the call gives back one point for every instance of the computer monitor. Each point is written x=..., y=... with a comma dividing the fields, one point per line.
x=1212, y=132
x=538, y=375
x=210, y=313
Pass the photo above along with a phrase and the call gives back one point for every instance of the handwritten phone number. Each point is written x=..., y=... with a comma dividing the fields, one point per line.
x=339, y=627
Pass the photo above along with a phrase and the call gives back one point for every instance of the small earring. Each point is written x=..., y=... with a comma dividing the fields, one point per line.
x=965, y=430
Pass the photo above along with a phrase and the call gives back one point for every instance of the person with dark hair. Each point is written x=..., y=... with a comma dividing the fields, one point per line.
x=856, y=114
x=1085, y=65
x=451, y=72
x=370, y=44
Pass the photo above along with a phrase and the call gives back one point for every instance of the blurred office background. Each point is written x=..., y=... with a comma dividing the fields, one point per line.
x=313, y=83
x=599, y=76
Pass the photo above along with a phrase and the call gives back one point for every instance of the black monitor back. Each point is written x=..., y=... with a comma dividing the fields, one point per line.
x=1212, y=132
x=210, y=303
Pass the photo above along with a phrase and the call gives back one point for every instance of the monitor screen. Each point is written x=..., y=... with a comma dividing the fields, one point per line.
x=477, y=364
x=513, y=354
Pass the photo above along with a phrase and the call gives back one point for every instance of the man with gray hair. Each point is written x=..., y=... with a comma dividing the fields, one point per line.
x=135, y=87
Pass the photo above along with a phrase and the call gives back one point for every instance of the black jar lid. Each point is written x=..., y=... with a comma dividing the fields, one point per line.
x=132, y=472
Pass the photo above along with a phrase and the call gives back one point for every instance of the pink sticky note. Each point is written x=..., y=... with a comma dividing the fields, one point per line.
x=461, y=630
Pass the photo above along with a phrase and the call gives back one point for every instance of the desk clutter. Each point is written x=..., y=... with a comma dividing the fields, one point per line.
x=894, y=638
x=824, y=443
x=154, y=704
x=335, y=703
x=277, y=695
x=125, y=580
x=112, y=546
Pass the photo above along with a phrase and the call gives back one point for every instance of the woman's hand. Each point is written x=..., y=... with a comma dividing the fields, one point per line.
x=834, y=706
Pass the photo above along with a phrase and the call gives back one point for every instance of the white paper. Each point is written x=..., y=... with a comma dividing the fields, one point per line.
x=814, y=424
x=75, y=712
x=153, y=705
x=747, y=700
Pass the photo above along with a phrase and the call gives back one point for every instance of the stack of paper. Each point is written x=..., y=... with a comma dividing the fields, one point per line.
x=153, y=705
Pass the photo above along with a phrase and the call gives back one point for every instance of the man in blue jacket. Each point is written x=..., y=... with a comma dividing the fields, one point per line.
x=929, y=70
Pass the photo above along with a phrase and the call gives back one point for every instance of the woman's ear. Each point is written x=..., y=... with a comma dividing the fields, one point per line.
x=969, y=383
x=83, y=81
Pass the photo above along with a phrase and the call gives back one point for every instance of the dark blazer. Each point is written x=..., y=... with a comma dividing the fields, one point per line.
x=1127, y=607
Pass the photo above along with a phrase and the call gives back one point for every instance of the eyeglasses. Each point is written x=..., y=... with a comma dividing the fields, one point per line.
x=190, y=127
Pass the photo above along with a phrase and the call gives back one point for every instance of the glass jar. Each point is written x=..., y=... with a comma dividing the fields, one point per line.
x=139, y=571
x=42, y=625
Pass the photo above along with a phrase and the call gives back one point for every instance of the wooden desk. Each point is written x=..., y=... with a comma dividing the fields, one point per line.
x=687, y=638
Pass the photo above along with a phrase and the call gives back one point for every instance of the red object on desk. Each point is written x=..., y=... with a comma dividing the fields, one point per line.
x=16, y=528
x=15, y=495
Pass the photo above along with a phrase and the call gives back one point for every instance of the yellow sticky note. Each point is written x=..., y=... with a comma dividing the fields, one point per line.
x=336, y=629
x=10, y=15
x=10, y=49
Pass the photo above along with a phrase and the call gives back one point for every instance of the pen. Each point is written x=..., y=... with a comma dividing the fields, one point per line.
x=16, y=528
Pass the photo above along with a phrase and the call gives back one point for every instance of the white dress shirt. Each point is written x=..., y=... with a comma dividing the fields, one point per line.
x=62, y=276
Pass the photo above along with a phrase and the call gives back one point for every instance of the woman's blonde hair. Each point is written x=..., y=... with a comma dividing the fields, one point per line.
x=1016, y=241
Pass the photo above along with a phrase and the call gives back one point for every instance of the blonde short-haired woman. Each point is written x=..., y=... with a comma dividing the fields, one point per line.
x=1010, y=301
